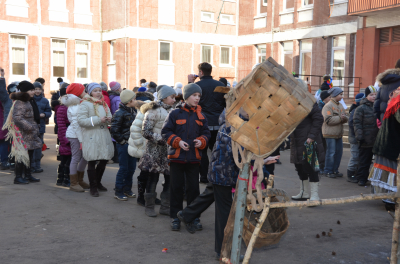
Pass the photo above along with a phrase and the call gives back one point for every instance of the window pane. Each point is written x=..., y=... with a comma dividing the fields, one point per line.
x=225, y=55
x=338, y=64
x=261, y=58
x=206, y=54
x=262, y=49
x=82, y=62
x=265, y=2
x=339, y=41
x=58, y=63
x=289, y=4
x=287, y=46
x=305, y=64
x=225, y=19
x=18, y=40
x=58, y=44
x=82, y=45
x=165, y=51
x=306, y=44
x=288, y=62
x=18, y=61
x=308, y=2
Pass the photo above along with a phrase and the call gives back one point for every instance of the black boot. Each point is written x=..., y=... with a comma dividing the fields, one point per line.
x=19, y=167
x=66, y=182
x=28, y=175
x=351, y=176
x=141, y=184
x=99, y=176
x=60, y=175
x=93, y=183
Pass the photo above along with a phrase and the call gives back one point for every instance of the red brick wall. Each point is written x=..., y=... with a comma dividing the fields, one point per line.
x=46, y=64
x=4, y=54
x=132, y=81
x=95, y=62
x=247, y=60
x=71, y=60
x=33, y=57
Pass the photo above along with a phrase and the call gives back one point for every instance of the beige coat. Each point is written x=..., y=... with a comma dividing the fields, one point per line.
x=333, y=122
x=96, y=139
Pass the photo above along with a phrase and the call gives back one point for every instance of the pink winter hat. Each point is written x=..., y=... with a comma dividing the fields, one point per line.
x=115, y=86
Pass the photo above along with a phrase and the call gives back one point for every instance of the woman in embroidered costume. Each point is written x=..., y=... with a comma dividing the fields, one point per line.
x=387, y=148
x=93, y=117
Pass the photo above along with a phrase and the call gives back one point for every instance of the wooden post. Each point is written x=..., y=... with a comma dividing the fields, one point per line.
x=241, y=193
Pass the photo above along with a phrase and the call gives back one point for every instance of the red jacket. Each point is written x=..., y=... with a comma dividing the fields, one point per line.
x=106, y=98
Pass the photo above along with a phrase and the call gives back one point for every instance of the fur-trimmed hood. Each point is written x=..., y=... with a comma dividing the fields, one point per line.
x=139, y=104
x=149, y=106
x=70, y=100
x=383, y=77
x=145, y=94
x=21, y=96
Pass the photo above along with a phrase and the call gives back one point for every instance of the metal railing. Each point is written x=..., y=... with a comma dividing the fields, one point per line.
x=360, y=6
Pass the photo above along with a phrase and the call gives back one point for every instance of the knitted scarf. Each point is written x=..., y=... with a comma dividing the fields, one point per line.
x=96, y=103
x=19, y=149
x=196, y=109
x=394, y=104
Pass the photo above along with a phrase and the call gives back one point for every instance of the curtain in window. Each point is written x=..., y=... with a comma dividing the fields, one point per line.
x=18, y=40
x=165, y=51
x=58, y=63
x=225, y=55
x=18, y=61
x=82, y=45
x=58, y=44
x=81, y=64
x=206, y=54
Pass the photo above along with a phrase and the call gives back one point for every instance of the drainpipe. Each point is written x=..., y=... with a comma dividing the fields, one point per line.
x=39, y=22
x=193, y=13
x=126, y=50
x=101, y=40
x=272, y=28
x=237, y=36
x=137, y=43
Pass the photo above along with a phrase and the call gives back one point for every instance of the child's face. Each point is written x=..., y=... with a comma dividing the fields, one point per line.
x=96, y=93
x=31, y=92
x=327, y=99
x=38, y=91
x=131, y=103
x=194, y=99
x=170, y=100
x=371, y=97
x=339, y=97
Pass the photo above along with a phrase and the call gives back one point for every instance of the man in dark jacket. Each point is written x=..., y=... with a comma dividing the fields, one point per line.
x=212, y=105
x=390, y=80
x=120, y=132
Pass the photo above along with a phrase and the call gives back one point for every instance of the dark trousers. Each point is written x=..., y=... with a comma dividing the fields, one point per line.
x=4, y=150
x=200, y=204
x=364, y=163
x=312, y=177
x=65, y=162
x=223, y=204
x=181, y=174
x=101, y=166
x=204, y=157
x=127, y=167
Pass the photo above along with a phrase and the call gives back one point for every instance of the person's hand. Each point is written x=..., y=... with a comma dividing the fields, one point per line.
x=183, y=145
x=2, y=72
x=109, y=119
x=80, y=146
x=309, y=140
x=197, y=143
x=42, y=115
x=103, y=119
x=271, y=160
x=191, y=78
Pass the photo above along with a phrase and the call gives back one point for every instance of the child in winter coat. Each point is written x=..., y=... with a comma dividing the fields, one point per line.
x=115, y=100
x=155, y=159
x=45, y=112
x=23, y=127
x=64, y=147
x=187, y=134
x=75, y=92
x=332, y=130
x=366, y=130
x=94, y=116
x=120, y=131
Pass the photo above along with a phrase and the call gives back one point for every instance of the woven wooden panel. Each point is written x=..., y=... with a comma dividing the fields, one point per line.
x=276, y=103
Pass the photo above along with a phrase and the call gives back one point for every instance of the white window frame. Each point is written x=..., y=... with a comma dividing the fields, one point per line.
x=65, y=57
x=18, y=77
x=230, y=57
x=112, y=47
x=307, y=6
x=337, y=82
x=207, y=20
x=212, y=52
x=171, y=48
x=301, y=60
x=261, y=54
x=265, y=4
x=287, y=10
x=231, y=21
x=87, y=79
x=258, y=9
x=284, y=52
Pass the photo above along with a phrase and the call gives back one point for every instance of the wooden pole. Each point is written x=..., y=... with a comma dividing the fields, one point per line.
x=394, y=257
x=260, y=223
x=241, y=192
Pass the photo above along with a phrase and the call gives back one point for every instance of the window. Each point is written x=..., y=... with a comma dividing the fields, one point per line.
x=338, y=56
x=59, y=50
x=225, y=59
x=113, y=51
x=206, y=53
x=307, y=2
x=262, y=7
x=58, y=10
x=261, y=53
x=82, y=14
x=166, y=12
x=287, y=55
x=18, y=8
x=18, y=55
x=207, y=16
x=165, y=52
x=264, y=2
x=288, y=5
x=227, y=19
x=82, y=59
x=305, y=58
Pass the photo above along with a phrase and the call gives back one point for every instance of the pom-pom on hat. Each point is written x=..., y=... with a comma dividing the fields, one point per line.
x=126, y=96
x=25, y=86
x=190, y=89
x=165, y=91
x=114, y=86
x=75, y=89
x=370, y=89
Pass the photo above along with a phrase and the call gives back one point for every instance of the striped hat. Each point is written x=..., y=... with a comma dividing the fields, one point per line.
x=370, y=89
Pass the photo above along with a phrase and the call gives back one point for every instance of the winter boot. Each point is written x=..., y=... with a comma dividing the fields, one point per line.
x=128, y=191
x=74, y=186
x=60, y=175
x=351, y=176
x=18, y=174
x=150, y=199
x=141, y=185
x=28, y=175
x=81, y=182
x=66, y=182
x=304, y=192
x=119, y=195
x=93, y=183
x=164, y=209
x=314, y=191
x=99, y=176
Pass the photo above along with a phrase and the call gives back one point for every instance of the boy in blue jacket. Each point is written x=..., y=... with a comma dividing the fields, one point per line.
x=187, y=134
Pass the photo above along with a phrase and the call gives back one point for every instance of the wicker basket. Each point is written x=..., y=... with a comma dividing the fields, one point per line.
x=276, y=103
x=276, y=224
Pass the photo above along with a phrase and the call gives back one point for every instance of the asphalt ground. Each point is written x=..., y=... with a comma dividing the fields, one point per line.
x=44, y=223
